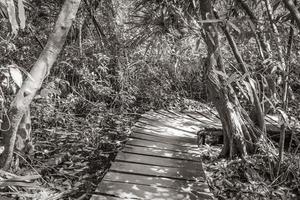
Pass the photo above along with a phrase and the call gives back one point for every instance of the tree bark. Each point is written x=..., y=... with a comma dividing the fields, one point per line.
x=239, y=138
x=258, y=30
x=33, y=83
x=23, y=140
x=285, y=99
x=114, y=45
x=259, y=111
x=109, y=38
x=265, y=53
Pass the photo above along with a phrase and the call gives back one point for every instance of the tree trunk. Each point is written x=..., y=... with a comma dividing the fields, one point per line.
x=109, y=38
x=259, y=115
x=239, y=137
x=262, y=45
x=265, y=52
x=38, y=73
x=23, y=140
x=114, y=46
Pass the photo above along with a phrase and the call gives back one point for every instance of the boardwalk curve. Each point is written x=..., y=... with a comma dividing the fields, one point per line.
x=160, y=161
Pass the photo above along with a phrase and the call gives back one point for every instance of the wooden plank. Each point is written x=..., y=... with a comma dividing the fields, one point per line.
x=171, y=127
x=166, y=114
x=160, y=145
x=145, y=180
x=187, y=117
x=184, y=124
x=204, y=114
x=199, y=185
x=169, y=140
x=161, y=153
x=175, y=113
x=161, y=121
x=188, y=139
x=158, y=134
x=187, y=126
x=151, y=180
x=205, y=120
x=158, y=161
x=131, y=191
x=168, y=131
x=151, y=170
x=102, y=197
x=156, y=116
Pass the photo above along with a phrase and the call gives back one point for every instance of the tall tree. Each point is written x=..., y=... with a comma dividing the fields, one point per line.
x=258, y=111
x=240, y=136
x=107, y=31
x=114, y=46
x=33, y=83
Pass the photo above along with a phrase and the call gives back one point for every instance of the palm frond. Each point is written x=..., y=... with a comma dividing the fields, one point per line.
x=163, y=18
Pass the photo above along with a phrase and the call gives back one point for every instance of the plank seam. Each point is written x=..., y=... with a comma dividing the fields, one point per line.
x=189, y=132
x=196, y=161
x=148, y=164
x=136, y=145
x=178, y=138
x=135, y=137
x=160, y=176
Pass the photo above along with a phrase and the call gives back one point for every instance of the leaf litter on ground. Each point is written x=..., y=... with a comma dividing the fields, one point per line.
x=68, y=162
x=251, y=179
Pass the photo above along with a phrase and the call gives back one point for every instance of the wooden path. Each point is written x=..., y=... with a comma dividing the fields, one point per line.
x=160, y=161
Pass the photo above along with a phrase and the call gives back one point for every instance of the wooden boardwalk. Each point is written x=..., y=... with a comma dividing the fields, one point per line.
x=161, y=160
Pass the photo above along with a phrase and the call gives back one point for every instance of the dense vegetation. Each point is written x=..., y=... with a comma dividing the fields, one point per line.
x=94, y=74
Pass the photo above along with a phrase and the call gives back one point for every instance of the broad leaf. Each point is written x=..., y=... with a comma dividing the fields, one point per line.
x=252, y=83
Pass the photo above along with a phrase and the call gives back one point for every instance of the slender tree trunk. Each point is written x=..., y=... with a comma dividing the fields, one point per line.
x=109, y=38
x=239, y=138
x=38, y=73
x=262, y=46
x=286, y=69
x=259, y=111
x=23, y=140
x=265, y=53
x=276, y=37
x=114, y=45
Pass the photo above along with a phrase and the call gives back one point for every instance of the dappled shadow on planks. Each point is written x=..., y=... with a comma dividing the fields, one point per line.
x=160, y=161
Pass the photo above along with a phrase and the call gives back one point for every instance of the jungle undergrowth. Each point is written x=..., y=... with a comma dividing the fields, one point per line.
x=251, y=180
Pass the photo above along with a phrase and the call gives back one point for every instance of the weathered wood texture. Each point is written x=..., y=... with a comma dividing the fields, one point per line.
x=161, y=160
